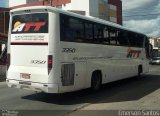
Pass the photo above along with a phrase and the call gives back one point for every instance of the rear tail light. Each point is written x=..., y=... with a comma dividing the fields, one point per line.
x=8, y=61
x=50, y=62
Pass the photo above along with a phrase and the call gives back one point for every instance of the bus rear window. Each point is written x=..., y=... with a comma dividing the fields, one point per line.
x=30, y=23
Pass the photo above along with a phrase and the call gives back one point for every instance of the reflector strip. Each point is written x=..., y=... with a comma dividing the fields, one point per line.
x=50, y=62
x=29, y=43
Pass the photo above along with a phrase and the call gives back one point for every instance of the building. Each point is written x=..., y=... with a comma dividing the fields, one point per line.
x=4, y=20
x=115, y=11
x=25, y=3
x=155, y=42
x=12, y=3
x=110, y=10
x=4, y=23
x=155, y=54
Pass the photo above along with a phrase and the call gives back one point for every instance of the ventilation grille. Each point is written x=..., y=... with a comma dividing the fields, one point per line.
x=68, y=71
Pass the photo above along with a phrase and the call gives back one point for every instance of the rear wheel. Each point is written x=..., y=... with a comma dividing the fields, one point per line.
x=96, y=81
x=139, y=70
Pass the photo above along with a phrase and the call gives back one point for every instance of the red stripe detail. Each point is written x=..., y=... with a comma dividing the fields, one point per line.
x=29, y=43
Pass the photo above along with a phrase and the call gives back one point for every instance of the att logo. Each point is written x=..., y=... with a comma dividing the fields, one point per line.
x=18, y=26
x=133, y=53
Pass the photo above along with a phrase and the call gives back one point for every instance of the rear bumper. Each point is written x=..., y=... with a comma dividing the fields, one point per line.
x=40, y=87
x=155, y=62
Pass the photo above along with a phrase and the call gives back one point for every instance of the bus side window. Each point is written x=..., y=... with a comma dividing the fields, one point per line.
x=88, y=32
x=113, y=36
x=62, y=28
x=72, y=29
x=140, y=41
x=77, y=29
x=106, y=36
x=123, y=38
x=65, y=28
x=78, y=36
x=132, y=39
x=98, y=33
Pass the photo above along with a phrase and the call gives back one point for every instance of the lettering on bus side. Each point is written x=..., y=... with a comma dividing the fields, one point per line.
x=68, y=50
x=133, y=53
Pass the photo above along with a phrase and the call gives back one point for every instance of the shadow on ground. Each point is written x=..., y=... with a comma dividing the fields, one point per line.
x=124, y=90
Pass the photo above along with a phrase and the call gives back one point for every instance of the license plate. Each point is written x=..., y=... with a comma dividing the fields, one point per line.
x=25, y=83
x=25, y=76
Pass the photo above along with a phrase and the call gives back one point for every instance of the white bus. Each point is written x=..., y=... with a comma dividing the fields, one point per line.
x=56, y=51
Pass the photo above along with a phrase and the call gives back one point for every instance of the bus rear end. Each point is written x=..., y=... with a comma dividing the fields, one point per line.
x=29, y=61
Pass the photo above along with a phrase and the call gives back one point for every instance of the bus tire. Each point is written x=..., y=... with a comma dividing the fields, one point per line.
x=96, y=81
x=140, y=70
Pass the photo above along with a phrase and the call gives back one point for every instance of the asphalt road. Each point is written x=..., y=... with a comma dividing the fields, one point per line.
x=128, y=94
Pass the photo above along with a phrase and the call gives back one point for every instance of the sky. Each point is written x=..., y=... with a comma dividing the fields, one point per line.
x=3, y=3
x=142, y=16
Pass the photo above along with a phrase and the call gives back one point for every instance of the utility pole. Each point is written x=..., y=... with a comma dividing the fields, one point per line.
x=4, y=15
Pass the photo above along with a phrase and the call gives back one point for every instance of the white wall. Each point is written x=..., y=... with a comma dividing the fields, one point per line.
x=16, y=2
x=80, y=5
x=91, y=7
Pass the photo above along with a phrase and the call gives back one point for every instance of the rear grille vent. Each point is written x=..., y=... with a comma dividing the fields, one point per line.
x=68, y=71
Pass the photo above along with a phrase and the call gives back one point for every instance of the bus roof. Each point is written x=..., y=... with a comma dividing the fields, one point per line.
x=90, y=18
